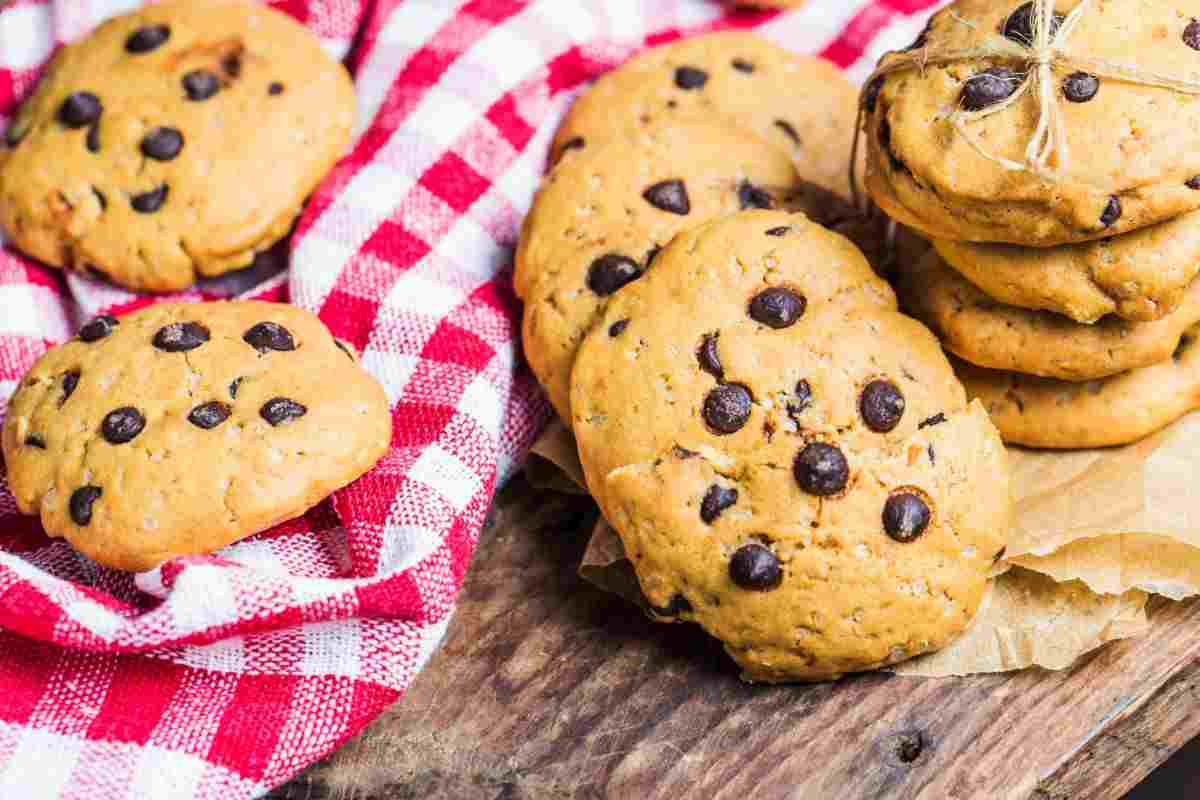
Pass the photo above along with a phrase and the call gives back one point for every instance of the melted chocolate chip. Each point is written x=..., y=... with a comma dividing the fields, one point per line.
x=905, y=516
x=881, y=406
x=275, y=88
x=727, y=408
x=92, y=140
x=670, y=196
x=143, y=40
x=678, y=605
x=1193, y=182
x=1080, y=87
x=1112, y=211
x=82, y=500
x=716, y=499
x=99, y=328
x=266, y=336
x=782, y=230
x=162, y=144
x=280, y=411
x=1019, y=25
x=1191, y=34
x=709, y=358
x=871, y=96
x=35, y=440
x=821, y=469
x=690, y=78
x=179, y=337
x=234, y=385
x=69, y=381
x=989, y=87
x=80, y=109
x=777, y=307
x=750, y=196
x=936, y=419
x=149, y=202
x=742, y=65
x=232, y=65
x=209, y=415
x=787, y=128
x=801, y=400
x=610, y=272
x=122, y=425
x=618, y=327
x=201, y=84
x=754, y=566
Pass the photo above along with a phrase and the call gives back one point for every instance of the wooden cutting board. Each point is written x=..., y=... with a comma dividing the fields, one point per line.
x=549, y=688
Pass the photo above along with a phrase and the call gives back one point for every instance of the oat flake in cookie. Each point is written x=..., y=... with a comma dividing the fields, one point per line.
x=846, y=516
x=173, y=143
x=171, y=431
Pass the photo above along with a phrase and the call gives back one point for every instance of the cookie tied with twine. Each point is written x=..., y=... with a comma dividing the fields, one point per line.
x=978, y=66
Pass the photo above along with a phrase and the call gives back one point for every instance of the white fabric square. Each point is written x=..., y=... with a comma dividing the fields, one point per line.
x=451, y=478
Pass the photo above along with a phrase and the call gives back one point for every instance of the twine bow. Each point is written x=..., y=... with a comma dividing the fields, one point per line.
x=1047, y=152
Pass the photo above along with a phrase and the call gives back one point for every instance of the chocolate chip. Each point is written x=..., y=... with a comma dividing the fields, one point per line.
x=69, y=381
x=1193, y=182
x=742, y=65
x=989, y=87
x=234, y=385
x=1185, y=341
x=35, y=440
x=782, y=230
x=1191, y=34
x=280, y=410
x=81, y=503
x=709, y=358
x=727, y=408
x=936, y=419
x=149, y=202
x=754, y=566
x=179, y=337
x=908, y=746
x=750, y=196
x=683, y=452
x=1080, y=87
x=678, y=605
x=99, y=328
x=905, y=516
x=1112, y=211
x=881, y=406
x=143, y=40
x=232, y=64
x=1019, y=25
x=618, y=327
x=209, y=415
x=162, y=144
x=669, y=196
x=610, y=272
x=201, y=84
x=80, y=109
x=690, y=78
x=787, y=128
x=821, y=469
x=122, y=425
x=275, y=88
x=265, y=336
x=716, y=499
x=871, y=97
x=777, y=307
x=92, y=140
x=801, y=399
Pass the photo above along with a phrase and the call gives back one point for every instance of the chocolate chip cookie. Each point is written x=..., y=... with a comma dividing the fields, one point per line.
x=989, y=334
x=801, y=104
x=173, y=143
x=1140, y=276
x=179, y=429
x=1043, y=412
x=789, y=461
x=1133, y=151
x=601, y=215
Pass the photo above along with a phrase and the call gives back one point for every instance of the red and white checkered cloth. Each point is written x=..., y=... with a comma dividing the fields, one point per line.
x=221, y=677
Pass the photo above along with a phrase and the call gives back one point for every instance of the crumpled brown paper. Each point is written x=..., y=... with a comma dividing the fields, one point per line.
x=1096, y=531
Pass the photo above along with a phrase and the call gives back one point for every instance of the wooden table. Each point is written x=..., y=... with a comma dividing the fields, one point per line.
x=549, y=688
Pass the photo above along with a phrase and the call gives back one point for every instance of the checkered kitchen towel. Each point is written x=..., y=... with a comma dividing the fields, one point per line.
x=221, y=677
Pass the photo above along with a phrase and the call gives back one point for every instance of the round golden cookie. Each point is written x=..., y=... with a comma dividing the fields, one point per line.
x=1140, y=276
x=1053, y=414
x=173, y=143
x=989, y=334
x=181, y=428
x=603, y=212
x=788, y=460
x=1134, y=151
x=802, y=104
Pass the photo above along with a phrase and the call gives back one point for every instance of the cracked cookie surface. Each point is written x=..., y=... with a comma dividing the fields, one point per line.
x=181, y=428
x=789, y=461
x=173, y=143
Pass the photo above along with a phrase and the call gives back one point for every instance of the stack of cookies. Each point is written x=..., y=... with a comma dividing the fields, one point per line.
x=1062, y=205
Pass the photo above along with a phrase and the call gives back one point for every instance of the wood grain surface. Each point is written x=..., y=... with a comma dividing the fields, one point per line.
x=549, y=688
